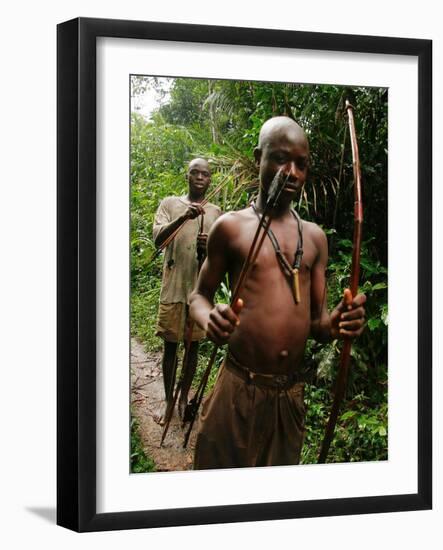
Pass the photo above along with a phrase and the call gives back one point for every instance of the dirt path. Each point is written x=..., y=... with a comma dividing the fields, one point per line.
x=147, y=398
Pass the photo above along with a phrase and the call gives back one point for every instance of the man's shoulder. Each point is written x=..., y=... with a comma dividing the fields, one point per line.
x=235, y=217
x=212, y=206
x=315, y=233
x=173, y=201
x=312, y=227
x=230, y=221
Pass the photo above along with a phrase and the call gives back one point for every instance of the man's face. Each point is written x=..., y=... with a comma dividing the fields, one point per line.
x=199, y=178
x=288, y=151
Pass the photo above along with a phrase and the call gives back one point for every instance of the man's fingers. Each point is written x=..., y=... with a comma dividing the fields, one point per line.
x=228, y=313
x=351, y=325
x=195, y=209
x=351, y=333
x=351, y=318
x=238, y=306
x=216, y=334
x=347, y=297
x=222, y=322
x=348, y=303
x=224, y=317
x=359, y=300
x=357, y=313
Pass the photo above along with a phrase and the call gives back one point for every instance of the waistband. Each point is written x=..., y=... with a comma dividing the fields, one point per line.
x=280, y=381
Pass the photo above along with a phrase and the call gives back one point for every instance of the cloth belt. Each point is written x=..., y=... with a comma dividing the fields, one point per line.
x=281, y=381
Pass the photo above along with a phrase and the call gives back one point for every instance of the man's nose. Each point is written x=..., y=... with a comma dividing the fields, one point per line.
x=291, y=170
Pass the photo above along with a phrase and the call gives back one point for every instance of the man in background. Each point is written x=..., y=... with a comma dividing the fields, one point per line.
x=180, y=270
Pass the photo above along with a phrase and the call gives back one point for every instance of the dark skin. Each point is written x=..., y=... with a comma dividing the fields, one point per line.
x=269, y=331
x=198, y=177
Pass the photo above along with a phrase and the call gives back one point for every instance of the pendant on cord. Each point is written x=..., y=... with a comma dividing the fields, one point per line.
x=291, y=271
x=295, y=285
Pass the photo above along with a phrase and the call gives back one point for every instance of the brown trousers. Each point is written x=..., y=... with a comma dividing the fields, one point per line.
x=244, y=423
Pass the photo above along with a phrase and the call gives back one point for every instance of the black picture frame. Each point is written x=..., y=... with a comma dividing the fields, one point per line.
x=76, y=273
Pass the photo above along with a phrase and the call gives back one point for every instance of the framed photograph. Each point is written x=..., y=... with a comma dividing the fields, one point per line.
x=162, y=129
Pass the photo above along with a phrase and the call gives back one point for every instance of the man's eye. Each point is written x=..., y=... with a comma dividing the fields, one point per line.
x=280, y=159
x=196, y=173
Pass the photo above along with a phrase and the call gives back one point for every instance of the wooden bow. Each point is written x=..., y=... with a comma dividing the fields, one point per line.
x=342, y=376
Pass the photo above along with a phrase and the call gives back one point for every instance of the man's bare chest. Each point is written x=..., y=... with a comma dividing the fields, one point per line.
x=281, y=251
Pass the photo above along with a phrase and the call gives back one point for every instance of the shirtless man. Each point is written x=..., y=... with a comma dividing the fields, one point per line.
x=180, y=269
x=255, y=414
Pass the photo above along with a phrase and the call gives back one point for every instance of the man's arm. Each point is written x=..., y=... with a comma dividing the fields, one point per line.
x=164, y=227
x=348, y=317
x=220, y=320
x=320, y=319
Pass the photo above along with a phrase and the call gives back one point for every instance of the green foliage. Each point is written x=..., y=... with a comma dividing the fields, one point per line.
x=140, y=462
x=361, y=432
x=221, y=120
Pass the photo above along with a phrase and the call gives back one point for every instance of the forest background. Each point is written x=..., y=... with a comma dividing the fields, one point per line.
x=220, y=121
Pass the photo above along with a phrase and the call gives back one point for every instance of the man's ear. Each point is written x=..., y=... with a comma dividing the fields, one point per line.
x=257, y=156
